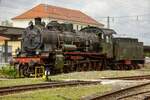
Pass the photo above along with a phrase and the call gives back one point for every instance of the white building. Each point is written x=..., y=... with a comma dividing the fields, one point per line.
x=49, y=13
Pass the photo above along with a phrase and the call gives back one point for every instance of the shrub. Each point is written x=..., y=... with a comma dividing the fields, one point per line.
x=9, y=71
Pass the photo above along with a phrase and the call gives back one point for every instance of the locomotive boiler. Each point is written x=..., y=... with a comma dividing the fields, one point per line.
x=59, y=48
x=57, y=36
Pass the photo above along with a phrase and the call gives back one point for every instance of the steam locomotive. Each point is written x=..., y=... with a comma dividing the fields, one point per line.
x=60, y=49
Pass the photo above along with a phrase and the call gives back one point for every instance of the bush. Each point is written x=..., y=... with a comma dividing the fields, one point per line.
x=9, y=71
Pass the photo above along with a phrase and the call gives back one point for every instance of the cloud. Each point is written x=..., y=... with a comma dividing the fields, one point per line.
x=97, y=9
x=9, y=9
x=125, y=26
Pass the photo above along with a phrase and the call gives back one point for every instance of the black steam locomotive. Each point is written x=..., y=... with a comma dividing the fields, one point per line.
x=59, y=49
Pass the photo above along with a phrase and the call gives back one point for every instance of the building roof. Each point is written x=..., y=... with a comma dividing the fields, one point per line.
x=11, y=32
x=3, y=38
x=49, y=11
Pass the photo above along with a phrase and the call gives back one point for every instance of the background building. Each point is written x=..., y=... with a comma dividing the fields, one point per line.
x=9, y=42
x=52, y=13
x=3, y=47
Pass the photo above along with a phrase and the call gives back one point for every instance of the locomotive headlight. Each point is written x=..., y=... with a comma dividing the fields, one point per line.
x=37, y=52
x=17, y=52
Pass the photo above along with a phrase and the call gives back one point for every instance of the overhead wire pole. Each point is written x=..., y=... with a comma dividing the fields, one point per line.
x=108, y=22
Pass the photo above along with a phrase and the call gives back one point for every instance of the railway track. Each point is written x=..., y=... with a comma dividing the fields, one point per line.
x=138, y=92
x=145, y=95
x=129, y=78
x=21, y=88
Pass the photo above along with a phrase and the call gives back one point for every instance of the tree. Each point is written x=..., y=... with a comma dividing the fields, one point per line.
x=6, y=23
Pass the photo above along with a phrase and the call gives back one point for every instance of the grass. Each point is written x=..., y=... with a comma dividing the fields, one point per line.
x=146, y=66
x=76, y=75
x=102, y=74
x=8, y=71
x=99, y=74
x=73, y=93
x=21, y=81
x=1, y=73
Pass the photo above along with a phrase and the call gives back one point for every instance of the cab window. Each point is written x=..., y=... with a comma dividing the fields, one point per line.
x=108, y=39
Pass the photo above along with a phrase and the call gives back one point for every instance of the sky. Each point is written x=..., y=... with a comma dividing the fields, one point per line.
x=129, y=18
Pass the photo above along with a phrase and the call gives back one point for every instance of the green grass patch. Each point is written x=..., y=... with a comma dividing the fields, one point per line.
x=75, y=75
x=99, y=74
x=21, y=81
x=9, y=72
x=73, y=93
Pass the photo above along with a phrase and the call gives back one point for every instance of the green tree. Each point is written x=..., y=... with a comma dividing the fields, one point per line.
x=6, y=23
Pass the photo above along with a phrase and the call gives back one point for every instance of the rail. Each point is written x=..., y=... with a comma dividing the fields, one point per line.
x=16, y=89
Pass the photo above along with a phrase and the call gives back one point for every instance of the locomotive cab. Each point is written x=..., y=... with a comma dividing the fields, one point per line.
x=105, y=39
x=107, y=42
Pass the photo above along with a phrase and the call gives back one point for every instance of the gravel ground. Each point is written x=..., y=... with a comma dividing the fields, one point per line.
x=137, y=96
x=126, y=94
x=113, y=82
x=147, y=60
x=127, y=83
x=121, y=84
x=118, y=84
